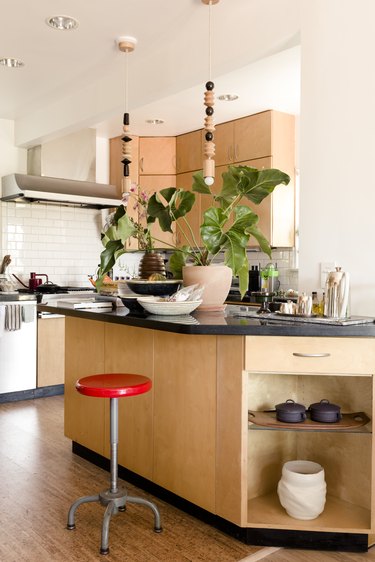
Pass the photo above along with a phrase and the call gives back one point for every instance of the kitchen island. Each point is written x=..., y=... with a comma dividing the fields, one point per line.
x=189, y=440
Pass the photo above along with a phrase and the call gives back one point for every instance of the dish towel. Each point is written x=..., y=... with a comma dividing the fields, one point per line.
x=13, y=317
x=2, y=319
x=28, y=313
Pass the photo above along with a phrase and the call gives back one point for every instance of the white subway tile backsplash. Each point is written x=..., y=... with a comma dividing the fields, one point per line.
x=63, y=242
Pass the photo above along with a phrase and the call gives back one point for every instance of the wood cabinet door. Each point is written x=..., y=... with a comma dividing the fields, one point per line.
x=130, y=350
x=85, y=355
x=51, y=351
x=185, y=416
x=152, y=184
x=115, y=165
x=185, y=236
x=157, y=155
x=189, y=149
x=224, y=143
x=252, y=137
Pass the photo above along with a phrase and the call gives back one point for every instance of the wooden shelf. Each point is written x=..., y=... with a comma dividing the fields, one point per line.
x=338, y=516
x=356, y=422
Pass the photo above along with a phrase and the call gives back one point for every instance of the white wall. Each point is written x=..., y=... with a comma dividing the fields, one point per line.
x=338, y=145
x=11, y=158
x=63, y=242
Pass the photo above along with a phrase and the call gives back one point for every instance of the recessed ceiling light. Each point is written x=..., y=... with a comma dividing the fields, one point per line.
x=11, y=63
x=64, y=23
x=155, y=121
x=227, y=97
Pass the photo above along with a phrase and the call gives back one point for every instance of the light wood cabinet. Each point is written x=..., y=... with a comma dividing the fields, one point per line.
x=162, y=433
x=157, y=156
x=184, y=414
x=51, y=351
x=157, y=170
x=322, y=368
x=189, y=148
x=191, y=435
x=84, y=417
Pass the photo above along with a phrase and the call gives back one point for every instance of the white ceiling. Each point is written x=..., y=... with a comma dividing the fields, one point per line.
x=75, y=79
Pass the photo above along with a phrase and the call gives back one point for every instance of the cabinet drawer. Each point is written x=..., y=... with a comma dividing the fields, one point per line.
x=310, y=355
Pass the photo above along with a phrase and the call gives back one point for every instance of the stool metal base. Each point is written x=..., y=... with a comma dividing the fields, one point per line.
x=114, y=502
x=115, y=498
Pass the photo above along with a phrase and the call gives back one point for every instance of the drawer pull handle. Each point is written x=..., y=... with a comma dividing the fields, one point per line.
x=312, y=354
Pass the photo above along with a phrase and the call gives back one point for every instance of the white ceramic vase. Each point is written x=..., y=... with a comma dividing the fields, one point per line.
x=302, y=489
x=216, y=279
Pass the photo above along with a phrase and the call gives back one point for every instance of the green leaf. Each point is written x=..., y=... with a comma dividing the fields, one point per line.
x=107, y=257
x=261, y=239
x=125, y=228
x=177, y=261
x=212, y=234
x=254, y=184
x=179, y=203
x=199, y=184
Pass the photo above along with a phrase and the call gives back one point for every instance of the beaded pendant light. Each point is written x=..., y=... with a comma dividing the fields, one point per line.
x=126, y=45
x=209, y=100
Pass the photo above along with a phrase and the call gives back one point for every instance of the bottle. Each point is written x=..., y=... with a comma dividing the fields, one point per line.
x=315, y=303
x=254, y=279
x=321, y=306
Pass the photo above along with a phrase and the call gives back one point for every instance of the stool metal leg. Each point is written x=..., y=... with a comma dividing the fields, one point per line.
x=85, y=499
x=104, y=548
x=141, y=501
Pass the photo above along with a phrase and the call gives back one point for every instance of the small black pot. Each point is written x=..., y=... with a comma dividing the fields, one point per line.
x=290, y=412
x=325, y=412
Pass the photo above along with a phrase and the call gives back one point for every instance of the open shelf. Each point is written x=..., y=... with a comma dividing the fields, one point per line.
x=338, y=516
x=357, y=422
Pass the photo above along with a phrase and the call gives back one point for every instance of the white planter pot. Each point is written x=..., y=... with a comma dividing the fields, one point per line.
x=302, y=489
x=216, y=279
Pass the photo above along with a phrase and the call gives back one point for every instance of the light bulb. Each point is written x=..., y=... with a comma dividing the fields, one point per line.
x=209, y=180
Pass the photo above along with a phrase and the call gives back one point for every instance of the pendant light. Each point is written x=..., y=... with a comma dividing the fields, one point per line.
x=209, y=126
x=126, y=45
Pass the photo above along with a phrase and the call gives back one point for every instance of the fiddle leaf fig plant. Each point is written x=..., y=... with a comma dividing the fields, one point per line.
x=227, y=225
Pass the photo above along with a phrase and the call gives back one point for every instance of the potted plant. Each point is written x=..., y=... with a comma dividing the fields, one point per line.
x=227, y=225
x=120, y=227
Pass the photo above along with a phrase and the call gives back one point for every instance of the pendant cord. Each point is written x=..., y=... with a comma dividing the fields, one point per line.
x=126, y=89
x=209, y=41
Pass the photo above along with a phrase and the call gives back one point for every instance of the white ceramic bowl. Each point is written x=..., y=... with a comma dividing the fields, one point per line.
x=155, y=306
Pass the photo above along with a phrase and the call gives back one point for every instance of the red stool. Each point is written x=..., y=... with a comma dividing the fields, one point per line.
x=113, y=386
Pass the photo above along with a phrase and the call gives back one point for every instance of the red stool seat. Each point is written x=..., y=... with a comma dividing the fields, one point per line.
x=113, y=385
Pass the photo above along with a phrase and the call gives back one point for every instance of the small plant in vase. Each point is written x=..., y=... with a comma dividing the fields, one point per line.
x=120, y=228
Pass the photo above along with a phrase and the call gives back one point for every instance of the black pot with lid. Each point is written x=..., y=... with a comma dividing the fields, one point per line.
x=325, y=412
x=290, y=412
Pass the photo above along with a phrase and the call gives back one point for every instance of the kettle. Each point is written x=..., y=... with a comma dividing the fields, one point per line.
x=337, y=294
x=35, y=280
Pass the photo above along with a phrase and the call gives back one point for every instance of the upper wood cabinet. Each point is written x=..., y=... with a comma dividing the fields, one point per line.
x=157, y=155
x=255, y=136
x=189, y=148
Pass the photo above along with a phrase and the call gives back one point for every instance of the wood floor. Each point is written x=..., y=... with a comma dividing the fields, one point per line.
x=40, y=477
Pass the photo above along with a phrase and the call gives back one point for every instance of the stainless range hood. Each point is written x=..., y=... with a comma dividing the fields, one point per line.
x=28, y=188
x=62, y=171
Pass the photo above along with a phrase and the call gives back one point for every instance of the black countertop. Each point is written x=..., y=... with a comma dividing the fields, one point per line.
x=214, y=323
